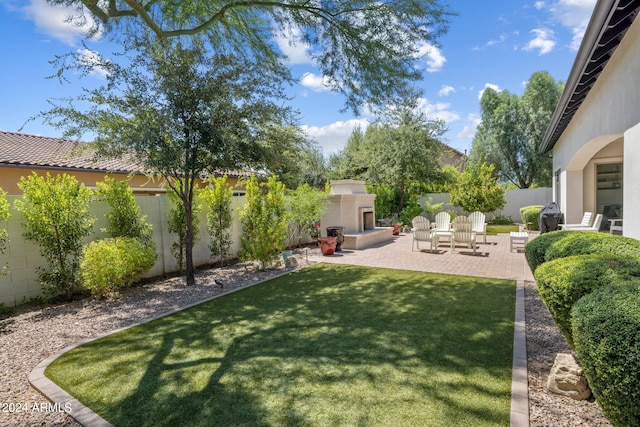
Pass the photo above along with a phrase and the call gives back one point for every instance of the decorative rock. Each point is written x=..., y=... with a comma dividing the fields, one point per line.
x=291, y=262
x=567, y=378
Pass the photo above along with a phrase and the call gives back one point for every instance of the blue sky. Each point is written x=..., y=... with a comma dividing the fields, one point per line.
x=495, y=43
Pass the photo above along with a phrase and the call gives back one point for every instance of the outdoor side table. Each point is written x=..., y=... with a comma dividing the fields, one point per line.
x=518, y=237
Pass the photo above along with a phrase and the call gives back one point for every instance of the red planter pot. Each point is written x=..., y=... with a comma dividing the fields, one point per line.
x=396, y=229
x=327, y=245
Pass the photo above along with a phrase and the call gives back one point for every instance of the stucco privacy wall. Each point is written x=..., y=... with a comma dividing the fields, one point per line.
x=23, y=259
x=609, y=111
x=631, y=194
x=515, y=200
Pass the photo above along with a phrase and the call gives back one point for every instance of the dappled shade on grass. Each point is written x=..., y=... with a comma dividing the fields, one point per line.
x=327, y=345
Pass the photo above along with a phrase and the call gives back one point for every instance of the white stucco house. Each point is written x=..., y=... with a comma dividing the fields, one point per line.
x=594, y=133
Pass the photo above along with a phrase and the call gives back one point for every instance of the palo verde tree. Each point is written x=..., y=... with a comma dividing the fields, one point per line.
x=512, y=128
x=183, y=111
x=477, y=189
x=368, y=50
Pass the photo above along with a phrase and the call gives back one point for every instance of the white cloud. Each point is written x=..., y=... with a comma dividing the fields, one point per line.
x=503, y=37
x=438, y=111
x=575, y=15
x=315, y=82
x=290, y=44
x=539, y=5
x=543, y=41
x=435, y=58
x=63, y=23
x=488, y=86
x=469, y=130
x=446, y=90
x=92, y=59
x=333, y=137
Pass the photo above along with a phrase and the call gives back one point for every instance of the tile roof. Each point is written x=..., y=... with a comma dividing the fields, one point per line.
x=18, y=149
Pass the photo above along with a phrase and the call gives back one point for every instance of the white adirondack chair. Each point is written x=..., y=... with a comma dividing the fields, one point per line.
x=587, y=221
x=462, y=233
x=593, y=227
x=478, y=225
x=422, y=232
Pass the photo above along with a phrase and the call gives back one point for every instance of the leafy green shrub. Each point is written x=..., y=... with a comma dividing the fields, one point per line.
x=563, y=281
x=56, y=216
x=606, y=330
x=411, y=210
x=529, y=216
x=113, y=263
x=385, y=203
x=306, y=205
x=217, y=197
x=585, y=242
x=265, y=222
x=4, y=237
x=478, y=189
x=502, y=220
x=125, y=218
x=535, y=250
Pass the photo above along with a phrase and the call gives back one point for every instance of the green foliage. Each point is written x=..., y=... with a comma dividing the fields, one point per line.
x=178, y=224
x=563, y=281
x=606, y=330
x=585, y=242
x=477, y=189
x=385, y=202
x=367, y=50
x=306, y=206
x=529, y=216
x=411, y=210
x=502, y=220
x=113, y=263
x=511, y=129
x=432, y=209
x=4, y=216
x=217, y=198
x=265, y=222
x=124, y=219
x=56, y=217
x=536, y=249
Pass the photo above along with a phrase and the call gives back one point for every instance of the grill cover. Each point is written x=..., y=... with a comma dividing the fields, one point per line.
x=549, y=217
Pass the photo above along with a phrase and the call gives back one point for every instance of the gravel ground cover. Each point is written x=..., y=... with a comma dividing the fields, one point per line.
x=35, y=333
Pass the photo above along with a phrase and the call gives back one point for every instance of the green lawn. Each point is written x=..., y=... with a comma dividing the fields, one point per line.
x=324, y=346
x=492, y=230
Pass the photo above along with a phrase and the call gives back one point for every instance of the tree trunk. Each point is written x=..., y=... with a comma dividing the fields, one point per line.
x=188, y=250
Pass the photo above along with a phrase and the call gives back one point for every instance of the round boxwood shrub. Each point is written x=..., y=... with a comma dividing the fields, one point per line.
x=529, y=216
x=110, y=264
x=585, y=242
x=536, y=249
x=606, y=329
x=562, y=282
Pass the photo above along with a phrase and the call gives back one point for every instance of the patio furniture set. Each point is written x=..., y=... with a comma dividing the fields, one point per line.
x=463, y=230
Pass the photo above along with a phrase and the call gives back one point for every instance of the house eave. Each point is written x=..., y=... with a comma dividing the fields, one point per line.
x=609, y=22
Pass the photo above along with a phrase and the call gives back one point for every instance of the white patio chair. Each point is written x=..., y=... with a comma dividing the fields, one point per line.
x=479, y=226
x=594, y=227
x=422, y=232
x=587, y=221
x=442, y=225
x=462, y=233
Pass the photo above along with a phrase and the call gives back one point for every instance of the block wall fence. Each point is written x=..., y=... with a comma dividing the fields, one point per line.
x=22, y=256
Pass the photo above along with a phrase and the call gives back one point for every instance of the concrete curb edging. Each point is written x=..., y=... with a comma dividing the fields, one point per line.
x=519, y=378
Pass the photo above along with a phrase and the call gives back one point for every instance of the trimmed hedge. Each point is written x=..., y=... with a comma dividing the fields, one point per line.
x=606, y=328
x=529, y=214
x=113, y=263
x=585, y=242
x=562, y=282
x=535, y=250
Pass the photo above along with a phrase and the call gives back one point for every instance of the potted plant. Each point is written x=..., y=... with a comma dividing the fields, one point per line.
x=327, y=245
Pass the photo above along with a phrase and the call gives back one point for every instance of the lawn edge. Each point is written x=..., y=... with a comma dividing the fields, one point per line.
x=519, y=378
x=73, y=407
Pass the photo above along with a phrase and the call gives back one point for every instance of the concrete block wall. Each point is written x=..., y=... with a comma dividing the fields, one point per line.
x=22, y=257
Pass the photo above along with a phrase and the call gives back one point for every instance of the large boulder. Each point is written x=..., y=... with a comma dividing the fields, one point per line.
x=567, y=379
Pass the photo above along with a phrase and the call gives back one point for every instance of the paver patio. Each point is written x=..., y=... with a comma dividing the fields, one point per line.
x=494, y=259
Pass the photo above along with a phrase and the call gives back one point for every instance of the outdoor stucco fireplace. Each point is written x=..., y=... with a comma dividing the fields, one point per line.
x=351, y=207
